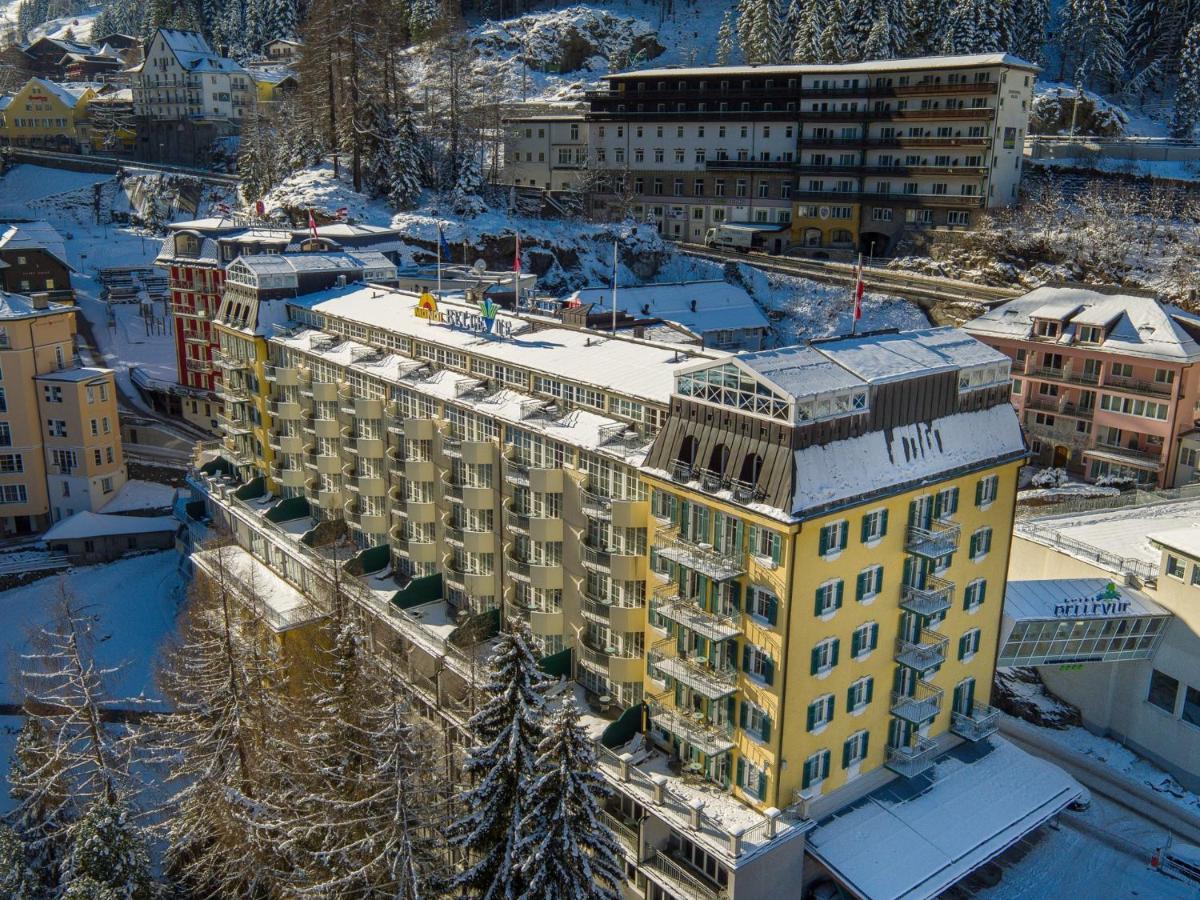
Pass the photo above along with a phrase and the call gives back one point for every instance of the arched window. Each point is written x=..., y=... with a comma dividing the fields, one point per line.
x=718, y=459
x=687, y=451
x=751, y=467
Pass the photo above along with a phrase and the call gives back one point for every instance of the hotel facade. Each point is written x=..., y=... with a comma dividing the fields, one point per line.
x=782, y=569
x=843, y=157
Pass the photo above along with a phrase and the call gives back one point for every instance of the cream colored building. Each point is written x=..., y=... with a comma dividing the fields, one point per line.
x=1150, y=700
x=60, y=441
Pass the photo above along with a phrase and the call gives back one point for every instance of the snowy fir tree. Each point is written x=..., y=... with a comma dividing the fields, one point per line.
x=18, y=881
x=1094, y=34
x=1187, y=98
x=106, y=848
x=408, y=164
x=806, y=39
x=1030, y=20
x=832, y=43
x=978, y=26
x=466, y=199
x=567, y=851
x=725, y=39
x=45, y=805
x=509, y=727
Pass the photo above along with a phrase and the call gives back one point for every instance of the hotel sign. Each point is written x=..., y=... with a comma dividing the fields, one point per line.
x=1107, y=602
x=469, y=321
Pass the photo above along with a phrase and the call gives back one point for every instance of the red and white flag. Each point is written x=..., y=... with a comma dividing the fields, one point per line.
x=312, y=223
x=517, y=255
x=858, y=290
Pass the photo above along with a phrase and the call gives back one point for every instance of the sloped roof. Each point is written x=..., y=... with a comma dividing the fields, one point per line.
x=968, y=60
x=1139, y=325
x=193, y=53
x=699, y=306
x=34, y=236
x=18, y=306
x=90, y=525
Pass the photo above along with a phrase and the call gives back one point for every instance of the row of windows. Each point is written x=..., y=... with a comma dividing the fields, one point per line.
x=825, y=654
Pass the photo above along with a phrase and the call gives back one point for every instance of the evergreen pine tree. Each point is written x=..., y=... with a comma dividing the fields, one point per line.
x=566, y=849
x=745, y=27
x=45, y=806
x=978, y=26
x=89, y=889
x=503, y=765
x=725, y=39
x=832, y=44
x=465, y=199
x=18, y=881
x=1094, y=36
x=1187, y=97
x=1030, y=19
x=107, y=849
x=806, y=41
x=408, y=165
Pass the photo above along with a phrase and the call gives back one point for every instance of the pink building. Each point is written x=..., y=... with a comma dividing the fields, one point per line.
x=1106, y=381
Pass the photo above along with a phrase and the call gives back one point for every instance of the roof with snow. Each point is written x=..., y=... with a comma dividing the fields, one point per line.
x=75, y=374
x=282, y=605
x=1075, y=598
x=281, y=263
x=19, y=306
x=92, y=525
x=961, y=61
x=68, y=93
x=913, y=838
x=135, y=496
x=636, y=368
x=699, y=306
x=193, y=52
x=1135, y=324
x=856, y=468
x=1184, y=540
x=34, y=236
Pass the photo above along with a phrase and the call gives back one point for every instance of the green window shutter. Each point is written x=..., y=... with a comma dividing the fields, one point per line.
x=846, y=754
x=980, y=592
x=883, y=523
x=836, y=644
x=865, y=529
x=819, y=601
x=825, y=757
x=866, y=744
x=685, y=517
x=745, y=657
x=824, y=540
x=762, y=787
x=973, y=545
x=742, y=715
x=908, y=570
x=812, y=716
x=773, y=609
x=860, y=587
x=854, y=643
x=737, y=536
x=839, y=589
x=769, y=670
x=938, y=499
x=870, y=689
x=912, y=513
x=701, y=524
x=874, y=635
x=754, y=539
x=776, y=549
x=850, y=698
x=979, y=492
x=962, y=646
x=816, y=660
x=766, y=727
x=735, y=595
x=958, y=696
x=988, y=536
x=843, y=531
x=878, y=585
x=969, y=695
x=719, y=529
x=806, y=780
x=741, y=772
x=953, y=500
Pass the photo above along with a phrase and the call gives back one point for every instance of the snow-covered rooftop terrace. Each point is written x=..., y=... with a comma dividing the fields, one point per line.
x=282, y=606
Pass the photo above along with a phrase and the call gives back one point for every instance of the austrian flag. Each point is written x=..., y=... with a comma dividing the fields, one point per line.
x=517, y=255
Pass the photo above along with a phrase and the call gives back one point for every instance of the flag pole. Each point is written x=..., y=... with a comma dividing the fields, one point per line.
x=614, y=289
x=856, y=309
x=439, y=261
x=517, y=274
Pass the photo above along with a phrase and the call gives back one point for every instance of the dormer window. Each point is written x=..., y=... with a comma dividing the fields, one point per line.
x=1046, y=328
x=1091, y=334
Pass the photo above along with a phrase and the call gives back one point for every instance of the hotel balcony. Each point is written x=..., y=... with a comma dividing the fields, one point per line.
x=695, y=728
x=926, y=653
x=628, y=834
x=698, y=673
x=686, y=611
x=938, y=540
x=595, y=506
x=618, y=667
x=1138, y=386
x=979, y=723
x=912, y=760
x=933, y=599
x=924, y=704
x=202, y=366
x=679, y=880
x=703, y=558
x=618, y=617
x=1127, y=455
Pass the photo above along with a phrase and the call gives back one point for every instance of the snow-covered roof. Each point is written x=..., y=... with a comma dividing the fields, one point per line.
x=1185, y=540
x=1075, y=598
x=800, y=371
x=75, y=374
x=1138, y=325
x=193, y=52
x=835, y=473
x=34, y=236
x=962, y=61
x=4, y=102
x=636, y=368
x=913, y=839
x=700, y=306
x=19, y=306
x=91, y=525
x=67, y=93
x=281, y=605
x=287, y=263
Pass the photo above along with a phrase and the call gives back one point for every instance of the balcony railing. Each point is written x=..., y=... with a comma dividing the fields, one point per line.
x=686, y=611
x=595, y=506
x=980, y=723
x=924, y=703
x=923, y=654
x=682, y=881
x=699, y=673
x=1137, y=457
x=934, y=598
x=912, y=760
x=938, y=540
x=709, y=737
x=627, y=835
x=1138, y=386
x=703, y=558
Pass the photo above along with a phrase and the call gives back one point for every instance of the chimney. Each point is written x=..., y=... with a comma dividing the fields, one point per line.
x=40, y=300
x=341, y=281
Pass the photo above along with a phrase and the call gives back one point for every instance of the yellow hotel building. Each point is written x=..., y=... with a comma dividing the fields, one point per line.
x=772, y=580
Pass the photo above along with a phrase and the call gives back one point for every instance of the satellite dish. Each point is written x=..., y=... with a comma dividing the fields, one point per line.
x=479, y=267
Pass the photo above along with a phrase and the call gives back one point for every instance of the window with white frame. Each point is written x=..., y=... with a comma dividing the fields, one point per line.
x=762, y=604
x=986, y=490
x=874, y=526
x=758, y=664
x=864, y=639
x=968, y=644
x=829, y=597
x=859, y=694
x=825, y=656
x=833, y=537
x=820, y=712
x=981, y=543
x=973, y=594
x=868, y=584
x=755, y=720
x=12, y=493
x=854, y=750
x=816, y=770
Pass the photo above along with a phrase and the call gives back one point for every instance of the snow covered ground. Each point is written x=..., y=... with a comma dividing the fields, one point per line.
x=136, y=496
x=136, y=600
x=1121, y=532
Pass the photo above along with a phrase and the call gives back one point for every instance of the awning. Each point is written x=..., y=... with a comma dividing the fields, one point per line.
x=914, y=838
